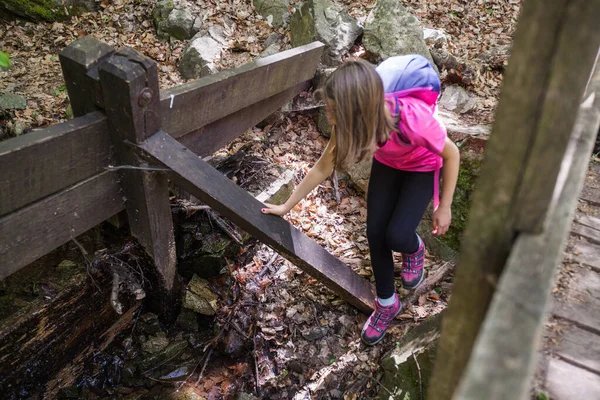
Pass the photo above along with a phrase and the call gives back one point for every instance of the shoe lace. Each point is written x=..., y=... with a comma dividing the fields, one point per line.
x=383, y=316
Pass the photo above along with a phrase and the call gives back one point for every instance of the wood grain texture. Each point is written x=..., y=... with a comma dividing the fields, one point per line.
x=35, y=230
x=489, y=233
x=44, y=162
x=505, y=353
x=591, y=196
x=211, y=137
x=581, y=347
x=588, y=254
x=212, y=188
x=79, y=62
x=583, y=305
x=133, y=117
x=188, y=107
x=573, y=62
x=568, y=382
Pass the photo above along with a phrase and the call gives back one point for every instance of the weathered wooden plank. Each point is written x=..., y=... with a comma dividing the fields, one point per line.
x=589, y=221
x=211, y=137
x=212, y=188
x=591, y=195
x=129, y=83
x=588, y=254
x=575, y=52
x=580, y=347
x=79, y=62
x=589, y=233
x=188, y=107
x=489, y=233
x=35, y=230
x=568, y=382
x=44, y=162
x=505, y=353
x=582, y=304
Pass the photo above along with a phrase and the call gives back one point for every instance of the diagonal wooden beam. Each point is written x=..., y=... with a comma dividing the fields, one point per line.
x=211, y=187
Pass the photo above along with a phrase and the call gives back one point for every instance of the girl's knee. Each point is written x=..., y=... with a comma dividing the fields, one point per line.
x=400, y=241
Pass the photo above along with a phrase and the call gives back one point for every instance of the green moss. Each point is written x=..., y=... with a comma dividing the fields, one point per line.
x=447, y=246
x=469, y=170
x=48, y=10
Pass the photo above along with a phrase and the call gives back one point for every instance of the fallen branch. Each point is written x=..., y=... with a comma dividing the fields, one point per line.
x=420, y=377
x=430, y=282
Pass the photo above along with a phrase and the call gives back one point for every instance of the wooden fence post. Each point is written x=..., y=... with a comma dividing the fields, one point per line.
x=79, y=62
x=130, y=91
x=535, y=109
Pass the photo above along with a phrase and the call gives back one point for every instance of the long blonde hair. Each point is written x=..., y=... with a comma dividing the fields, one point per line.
x=361, y=116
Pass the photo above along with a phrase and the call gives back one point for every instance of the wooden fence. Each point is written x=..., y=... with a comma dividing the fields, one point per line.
x=524, y=202
x=128, y=139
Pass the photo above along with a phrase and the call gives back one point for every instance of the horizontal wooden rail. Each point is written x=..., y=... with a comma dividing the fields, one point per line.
x=44, y=162
x=37, y=229
x=218, y=134
x=505, y=353
x=188, y=107
x=211, y=187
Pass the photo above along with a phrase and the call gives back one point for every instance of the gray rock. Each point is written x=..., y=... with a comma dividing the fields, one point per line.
x=218, y=33
x=390, y=30
x=180, y=24
x=199, y=298
x=457, y=99
x=16, y=128
x=11, y=101
x=271, y=50
x=173, y=20
x=245, y=396
x=274, y=11
x=327, y=22
x=434, y=37
x=321, y=74
x=199, y=57
x=160, y=14
x=323, y=125
x=359, y=174
x=154, y=344
x=272, y=39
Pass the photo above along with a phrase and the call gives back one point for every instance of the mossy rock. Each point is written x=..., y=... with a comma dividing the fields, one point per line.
x=48, y=10
x=402, y=376
x=447, y=246
x=168, y=353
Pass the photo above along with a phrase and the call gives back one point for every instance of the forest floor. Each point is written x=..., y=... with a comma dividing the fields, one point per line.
x=304, y=338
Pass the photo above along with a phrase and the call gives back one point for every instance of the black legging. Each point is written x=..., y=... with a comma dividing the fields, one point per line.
x=396, y=202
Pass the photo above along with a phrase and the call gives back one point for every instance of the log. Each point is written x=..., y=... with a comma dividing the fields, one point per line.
x=39, y=341
x=225, y=197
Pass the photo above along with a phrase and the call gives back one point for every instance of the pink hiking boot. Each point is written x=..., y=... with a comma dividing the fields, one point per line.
x=375, y=327
x=412, y=267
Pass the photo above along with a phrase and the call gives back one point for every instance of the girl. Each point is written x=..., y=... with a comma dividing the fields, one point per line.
x=390, y=114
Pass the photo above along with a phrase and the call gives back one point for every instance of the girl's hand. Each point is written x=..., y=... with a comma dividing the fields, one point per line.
x=273, y=209
x=442, y=217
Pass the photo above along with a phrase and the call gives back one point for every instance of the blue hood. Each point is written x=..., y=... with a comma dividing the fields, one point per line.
x=408, y=72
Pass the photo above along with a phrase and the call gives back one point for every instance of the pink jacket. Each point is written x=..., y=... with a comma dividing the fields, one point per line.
x=421, y=138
